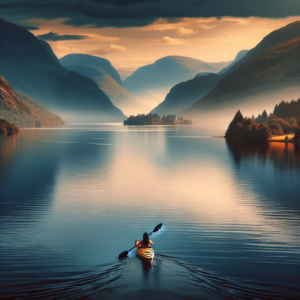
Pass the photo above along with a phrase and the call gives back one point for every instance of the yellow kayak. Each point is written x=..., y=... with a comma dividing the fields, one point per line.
x=146, y=253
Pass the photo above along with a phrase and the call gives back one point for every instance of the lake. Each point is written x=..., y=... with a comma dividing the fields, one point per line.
x=73, y=198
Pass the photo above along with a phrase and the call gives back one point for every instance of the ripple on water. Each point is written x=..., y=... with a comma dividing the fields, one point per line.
x=168, y=278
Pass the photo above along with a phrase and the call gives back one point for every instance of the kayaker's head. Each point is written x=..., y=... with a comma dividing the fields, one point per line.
x=146, y=239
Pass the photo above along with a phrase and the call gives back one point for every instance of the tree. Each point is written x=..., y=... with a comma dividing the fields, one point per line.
x=264, y=115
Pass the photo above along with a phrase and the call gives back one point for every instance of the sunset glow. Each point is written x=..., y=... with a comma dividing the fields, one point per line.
x=208, y=39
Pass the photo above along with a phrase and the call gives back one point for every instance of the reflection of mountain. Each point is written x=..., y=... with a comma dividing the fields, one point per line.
x=29, y=167
x=156, y=79
x=8, y=146
x=269, y=165
x=26, y=179
x=107, y=78
x=29, y=67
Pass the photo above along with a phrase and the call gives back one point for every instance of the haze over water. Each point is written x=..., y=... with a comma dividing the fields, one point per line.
x=73, y=198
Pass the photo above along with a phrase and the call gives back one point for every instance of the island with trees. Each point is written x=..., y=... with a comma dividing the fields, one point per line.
x=7, y=128
x=280, y=125
x=154, y=119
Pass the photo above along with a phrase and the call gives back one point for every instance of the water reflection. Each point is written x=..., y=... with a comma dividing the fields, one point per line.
x=284, y=155
x=8, y=145
x=26, y=179
x=275, y=169
x=86, y=193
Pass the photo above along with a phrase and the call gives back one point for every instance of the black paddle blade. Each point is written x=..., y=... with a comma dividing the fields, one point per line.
x=159, y=226
x=123, y=254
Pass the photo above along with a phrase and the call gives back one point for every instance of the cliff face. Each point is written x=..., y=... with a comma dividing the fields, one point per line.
x=22, y=110
x=8, y=95
x=29, y=67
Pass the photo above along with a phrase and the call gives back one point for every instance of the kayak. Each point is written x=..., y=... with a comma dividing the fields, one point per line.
x=146, y=253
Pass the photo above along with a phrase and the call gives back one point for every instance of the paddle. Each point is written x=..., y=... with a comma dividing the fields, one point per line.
x=125, y=253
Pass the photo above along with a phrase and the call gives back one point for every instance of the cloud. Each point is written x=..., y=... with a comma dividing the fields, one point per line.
x=170, y=41
x=30, y=27
x=111, y=48
x=54, y=37
x=137, y=13
x=184, y=31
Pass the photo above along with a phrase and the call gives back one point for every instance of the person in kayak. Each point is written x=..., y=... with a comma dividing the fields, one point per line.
x=145, y=242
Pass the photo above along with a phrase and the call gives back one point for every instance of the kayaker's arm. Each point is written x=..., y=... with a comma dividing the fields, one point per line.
x=151, y=243
x=137, y=243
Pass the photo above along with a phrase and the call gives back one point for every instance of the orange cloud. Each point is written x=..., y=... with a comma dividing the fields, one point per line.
x=181, y=31
x=111, y=48
x=169, y=41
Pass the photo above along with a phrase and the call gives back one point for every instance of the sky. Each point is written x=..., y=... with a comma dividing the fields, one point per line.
x=133, y=33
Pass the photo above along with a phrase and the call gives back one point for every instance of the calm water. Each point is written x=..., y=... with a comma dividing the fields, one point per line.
x=73, y=198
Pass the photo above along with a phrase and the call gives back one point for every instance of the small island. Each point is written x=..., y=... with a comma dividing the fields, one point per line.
x=279, y=126
x=7, y=128
x=154, y=119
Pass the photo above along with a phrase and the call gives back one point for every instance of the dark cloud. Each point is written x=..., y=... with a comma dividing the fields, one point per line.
x=30, y=27
x=132, y=13
x=54, y=37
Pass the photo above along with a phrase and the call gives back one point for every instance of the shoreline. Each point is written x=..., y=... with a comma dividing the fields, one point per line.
x=273, y=139
x=281, y=139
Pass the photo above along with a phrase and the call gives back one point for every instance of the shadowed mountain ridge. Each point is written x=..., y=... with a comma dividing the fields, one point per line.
x=30, y=68
x=85, y=59
x=262, y=81
x=104, y=78
x=200, y=87
x=156, y=79
x=184, y=94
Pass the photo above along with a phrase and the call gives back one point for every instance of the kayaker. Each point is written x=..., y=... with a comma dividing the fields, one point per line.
x=145, y=242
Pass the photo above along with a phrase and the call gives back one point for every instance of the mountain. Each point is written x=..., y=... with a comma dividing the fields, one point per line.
x=23, y=110
x=108, y=80
x=152, y=82
x=276, y=37
x=189, y=93
x=184, y=94
x=238, y=57
x=273, y=75
x=48, y=48
x=203, y=74
x=90, y=60
x=30, y=68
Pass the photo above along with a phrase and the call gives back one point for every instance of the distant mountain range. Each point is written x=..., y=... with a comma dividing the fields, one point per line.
x=152, y=82
x=22, y=110
x=107, y=78
x=272, y=73
x=90, y=60
x=267, y=74
x=184, y=94
x=29, y=66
